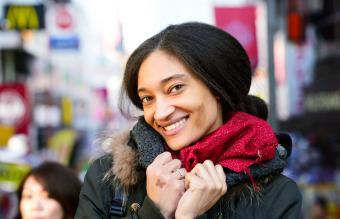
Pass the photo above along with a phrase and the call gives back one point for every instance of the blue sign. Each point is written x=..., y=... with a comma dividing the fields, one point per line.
x=58, y=42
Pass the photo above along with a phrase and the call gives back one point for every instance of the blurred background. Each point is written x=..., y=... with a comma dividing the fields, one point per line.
x=61, y=64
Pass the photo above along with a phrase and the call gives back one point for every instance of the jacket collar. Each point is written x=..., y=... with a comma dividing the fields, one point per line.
x=131, y=150
x=148, y=142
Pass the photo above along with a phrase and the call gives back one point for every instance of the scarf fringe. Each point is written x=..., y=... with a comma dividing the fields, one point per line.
x=252, y=180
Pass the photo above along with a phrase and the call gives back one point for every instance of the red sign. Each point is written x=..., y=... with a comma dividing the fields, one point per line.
x=14, y=107
x=296, y=21
x=64, y=18
x=240, y=23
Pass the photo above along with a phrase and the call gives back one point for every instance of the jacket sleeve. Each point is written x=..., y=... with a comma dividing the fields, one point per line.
x=95, y=195
x=286, y=202
x=149, y=210
x=94, y=198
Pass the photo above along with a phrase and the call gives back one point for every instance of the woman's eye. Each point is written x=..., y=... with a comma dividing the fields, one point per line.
x=146, y=99
x=26, y=196
x=176, y=88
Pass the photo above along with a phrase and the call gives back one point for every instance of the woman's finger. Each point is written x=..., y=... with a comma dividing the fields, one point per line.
x=172, y=165
x=162, y=158
x=222, y=176
x=209, y=165
x=192, y=180
x=201, y=171
x=179, y=173
x=220, y=172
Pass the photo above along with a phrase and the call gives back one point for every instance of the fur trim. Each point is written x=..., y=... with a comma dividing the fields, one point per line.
x=124, y=160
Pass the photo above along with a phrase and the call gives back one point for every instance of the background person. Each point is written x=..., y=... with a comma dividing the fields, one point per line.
x=49, y=191
x=319, y=208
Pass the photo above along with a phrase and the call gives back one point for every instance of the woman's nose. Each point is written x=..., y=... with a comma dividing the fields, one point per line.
x=163, y=110
x=37, y=203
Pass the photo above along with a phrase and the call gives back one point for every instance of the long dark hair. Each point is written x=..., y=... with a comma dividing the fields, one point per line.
x=211, y=54
x=61, y=183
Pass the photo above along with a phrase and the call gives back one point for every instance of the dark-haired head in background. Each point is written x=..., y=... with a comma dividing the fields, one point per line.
x=49, y=191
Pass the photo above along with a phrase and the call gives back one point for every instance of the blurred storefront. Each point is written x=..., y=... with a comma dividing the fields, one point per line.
x=54, y=93
x=312, y=113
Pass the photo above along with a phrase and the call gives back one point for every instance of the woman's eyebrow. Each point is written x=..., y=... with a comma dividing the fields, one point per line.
x=165, y=80
x=172, y=77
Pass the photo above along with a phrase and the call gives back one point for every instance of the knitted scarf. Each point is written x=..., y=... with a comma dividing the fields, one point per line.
x=242, y=141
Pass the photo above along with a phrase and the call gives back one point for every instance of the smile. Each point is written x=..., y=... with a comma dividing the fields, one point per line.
x=175, y=125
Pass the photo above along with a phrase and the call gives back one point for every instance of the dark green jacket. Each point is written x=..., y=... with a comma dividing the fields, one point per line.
x=122, y=170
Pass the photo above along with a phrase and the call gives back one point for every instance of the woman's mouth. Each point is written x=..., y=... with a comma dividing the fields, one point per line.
x=175, y=125
x=174, y=128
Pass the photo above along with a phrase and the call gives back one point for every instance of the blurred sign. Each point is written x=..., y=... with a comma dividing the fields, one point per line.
x=296, y=24
x=324, y=101
x=12, y=174
x=62, y=144
x=61, y=23
x=46, y=115
x=9, y=39
x=46, y=111
x=25, y=17
x=322, y=96
x=67, y=108
x=64, y=19
x=14, y=108
x=6, y=132
x=300, y=61
x=59, y=42
x=240, y=23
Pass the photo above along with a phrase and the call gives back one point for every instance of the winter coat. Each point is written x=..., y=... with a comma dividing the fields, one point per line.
x=115, y=184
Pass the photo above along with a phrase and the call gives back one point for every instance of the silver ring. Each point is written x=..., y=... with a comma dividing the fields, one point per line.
x=180, y=172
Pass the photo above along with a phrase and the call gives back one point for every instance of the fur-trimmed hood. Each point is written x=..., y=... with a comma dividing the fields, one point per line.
x=124, y=159
x=132, y=150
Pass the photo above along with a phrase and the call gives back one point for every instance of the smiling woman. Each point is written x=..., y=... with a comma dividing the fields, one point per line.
x=195, y=152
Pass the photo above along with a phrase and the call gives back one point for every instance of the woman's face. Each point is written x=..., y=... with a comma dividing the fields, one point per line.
x=175, y=103
x=36, y=204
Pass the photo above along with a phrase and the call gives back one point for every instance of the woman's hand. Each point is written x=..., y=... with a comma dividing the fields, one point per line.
x=165, y=183
x=205, y=185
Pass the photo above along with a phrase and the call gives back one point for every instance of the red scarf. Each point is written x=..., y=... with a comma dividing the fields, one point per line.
x=242, y=141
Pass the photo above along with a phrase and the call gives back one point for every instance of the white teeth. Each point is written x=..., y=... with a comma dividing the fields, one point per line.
x=175, y=125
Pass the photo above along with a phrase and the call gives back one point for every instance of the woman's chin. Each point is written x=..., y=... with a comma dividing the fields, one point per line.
x=180, y=142
x=175, y=147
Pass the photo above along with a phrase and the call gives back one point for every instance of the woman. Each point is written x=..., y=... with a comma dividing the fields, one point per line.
x=193, y=153
x=49, y=191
